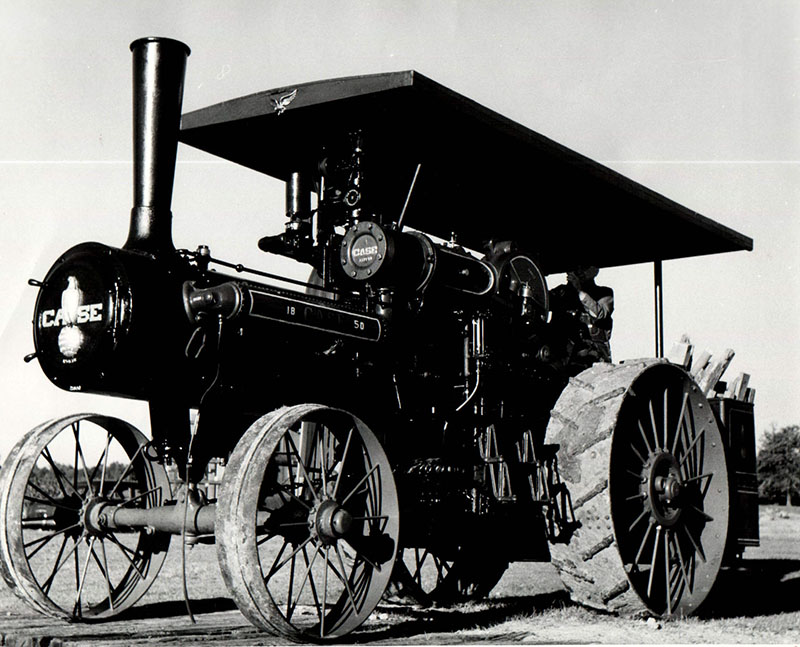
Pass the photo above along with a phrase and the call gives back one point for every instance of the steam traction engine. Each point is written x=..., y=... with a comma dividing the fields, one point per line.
x=410, y=419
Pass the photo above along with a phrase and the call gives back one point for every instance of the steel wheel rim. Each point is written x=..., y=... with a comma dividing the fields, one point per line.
x=320, y=537
x=668, y=491
x=111, y=570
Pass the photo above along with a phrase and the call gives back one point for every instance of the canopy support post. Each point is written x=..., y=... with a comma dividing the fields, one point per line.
x=658, y=293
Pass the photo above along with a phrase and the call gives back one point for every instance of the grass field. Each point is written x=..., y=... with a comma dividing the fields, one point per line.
x=759, y=603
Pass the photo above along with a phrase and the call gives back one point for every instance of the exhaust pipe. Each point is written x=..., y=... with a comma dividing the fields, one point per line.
x=159, y=67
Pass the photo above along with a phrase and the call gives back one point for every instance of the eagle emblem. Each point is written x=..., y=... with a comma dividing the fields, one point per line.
x=281, y=103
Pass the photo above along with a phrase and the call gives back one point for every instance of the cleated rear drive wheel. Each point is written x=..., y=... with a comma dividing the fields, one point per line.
x=643, y=459
x=57, y=555
x=307, y=523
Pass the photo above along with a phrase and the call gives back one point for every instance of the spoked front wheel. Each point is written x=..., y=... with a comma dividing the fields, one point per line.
x=307, y=522
x=56, y=553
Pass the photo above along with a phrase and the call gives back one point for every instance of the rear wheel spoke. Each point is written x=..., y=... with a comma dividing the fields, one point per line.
x=643, y=542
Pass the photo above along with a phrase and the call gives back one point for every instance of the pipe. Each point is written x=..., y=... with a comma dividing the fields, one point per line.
x=159, y=67
x=658, y=305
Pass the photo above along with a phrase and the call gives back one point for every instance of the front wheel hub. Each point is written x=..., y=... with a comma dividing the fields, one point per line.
x=329, y=521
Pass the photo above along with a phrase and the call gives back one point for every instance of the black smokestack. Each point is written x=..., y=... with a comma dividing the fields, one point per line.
x=159, y=66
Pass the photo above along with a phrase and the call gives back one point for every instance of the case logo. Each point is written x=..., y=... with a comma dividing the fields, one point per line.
x=72, y=313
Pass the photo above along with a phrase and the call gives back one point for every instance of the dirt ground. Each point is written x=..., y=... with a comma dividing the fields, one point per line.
x=759, y=603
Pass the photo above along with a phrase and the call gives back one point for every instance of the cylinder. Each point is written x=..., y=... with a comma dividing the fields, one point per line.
x=159, y=67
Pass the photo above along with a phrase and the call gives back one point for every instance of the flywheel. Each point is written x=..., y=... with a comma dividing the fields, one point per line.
x=644, y=462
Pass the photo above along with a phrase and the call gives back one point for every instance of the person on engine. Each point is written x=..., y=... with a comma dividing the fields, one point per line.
x=591, y=306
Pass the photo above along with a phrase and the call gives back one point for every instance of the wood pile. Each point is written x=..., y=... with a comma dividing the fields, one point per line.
x=707, y=370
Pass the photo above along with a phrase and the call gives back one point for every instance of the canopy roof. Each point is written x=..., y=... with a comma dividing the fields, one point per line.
x=482, y=176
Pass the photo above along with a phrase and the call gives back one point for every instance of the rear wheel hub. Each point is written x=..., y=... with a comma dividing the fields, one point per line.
x=663, y=487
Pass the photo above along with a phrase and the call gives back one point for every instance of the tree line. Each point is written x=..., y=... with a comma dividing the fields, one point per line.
x=779, y=466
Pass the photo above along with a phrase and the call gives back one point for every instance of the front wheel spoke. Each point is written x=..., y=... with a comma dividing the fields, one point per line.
x=323, y=467
x=359, y=484
x=61, y=478
x=101, y=463
x=289, y=593
x=335, y=571
x=76, y=609
x=43, y=541
x=77, y=563
x=360, y=555
x=342, y=461
x=324, y=595
x=308, y=576
x=345, y=581
x=58, y=564
x=79, y=452
x=301, y=466
x=270, y=534
x=276, y=566
x=103, y=566
x=106, y=574
x=46, y=501
x=128, y=554
x=282, y=489
x=125, y=472
x=105, y=464
x=372, y=518
x=311, y=584
x=139, y=497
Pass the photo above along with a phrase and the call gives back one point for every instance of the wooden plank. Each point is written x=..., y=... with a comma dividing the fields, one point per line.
x=741, y=393
x=715, y=370
x=699, y=364
x=681, y=354
x=733, y=387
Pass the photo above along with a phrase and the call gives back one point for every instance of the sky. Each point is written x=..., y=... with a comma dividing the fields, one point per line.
x=696, y=99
